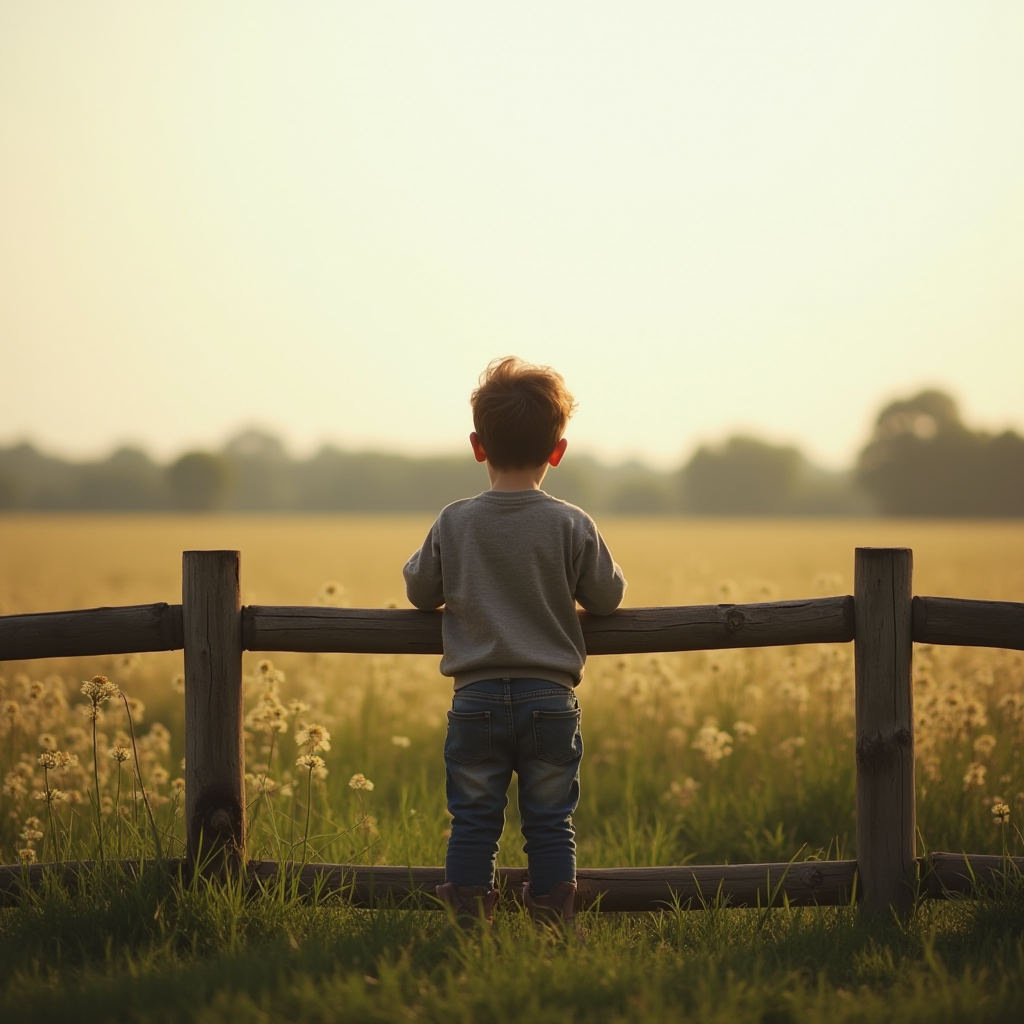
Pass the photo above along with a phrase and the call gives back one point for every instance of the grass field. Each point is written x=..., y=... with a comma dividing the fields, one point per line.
x=701, y=758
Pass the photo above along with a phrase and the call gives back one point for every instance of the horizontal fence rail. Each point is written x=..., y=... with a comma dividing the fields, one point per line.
x=626, y=631
x=137, y=629
x=954, y=622
x=803, y=883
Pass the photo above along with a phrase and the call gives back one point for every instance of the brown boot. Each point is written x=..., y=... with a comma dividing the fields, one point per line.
x=557, y=910
x=471, y=905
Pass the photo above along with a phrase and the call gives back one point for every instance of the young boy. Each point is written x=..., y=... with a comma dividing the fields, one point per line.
x=509, y=567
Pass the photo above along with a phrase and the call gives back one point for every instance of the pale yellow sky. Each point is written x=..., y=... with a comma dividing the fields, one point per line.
x=325, y=218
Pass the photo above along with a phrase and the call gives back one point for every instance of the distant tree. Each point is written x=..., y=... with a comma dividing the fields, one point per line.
x=128, y=480
x=261, y=472
x=744, y=476
x=642, y=498
x=922, y=460
x=9, y=496
x=198, y=481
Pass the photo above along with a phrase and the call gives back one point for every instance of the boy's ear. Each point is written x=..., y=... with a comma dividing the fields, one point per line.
x=478, y=449
x=556, y=455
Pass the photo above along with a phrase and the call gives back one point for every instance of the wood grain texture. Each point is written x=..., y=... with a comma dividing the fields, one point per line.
x=214, y=758
x=822, y=883
x=626, y=631
x=91, y=632
x=968, y=874
x=961, y=623
x=886, y=823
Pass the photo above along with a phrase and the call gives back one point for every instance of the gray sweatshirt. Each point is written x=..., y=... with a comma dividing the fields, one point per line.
x=509, y=567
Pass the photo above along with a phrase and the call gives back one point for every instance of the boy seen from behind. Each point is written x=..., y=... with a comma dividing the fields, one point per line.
x=509, y=566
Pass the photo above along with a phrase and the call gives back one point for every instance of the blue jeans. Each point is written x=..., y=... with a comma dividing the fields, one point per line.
x=496, y=727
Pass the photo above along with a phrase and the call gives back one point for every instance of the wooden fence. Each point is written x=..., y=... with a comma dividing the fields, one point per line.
x=881, y=618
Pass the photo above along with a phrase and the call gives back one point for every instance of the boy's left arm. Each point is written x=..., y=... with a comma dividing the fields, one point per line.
x=599, y=582
x=424, y=582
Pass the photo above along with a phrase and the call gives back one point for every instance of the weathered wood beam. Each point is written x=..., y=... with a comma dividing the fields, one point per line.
x=886, y=823
x=953, y=621
x=967, y=874
x=626, y=631
x=91, y=632
x=808, y=883
x=214, y=741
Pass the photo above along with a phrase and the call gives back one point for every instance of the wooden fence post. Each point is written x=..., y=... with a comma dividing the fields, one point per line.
x=214, y=760
x=886, y=819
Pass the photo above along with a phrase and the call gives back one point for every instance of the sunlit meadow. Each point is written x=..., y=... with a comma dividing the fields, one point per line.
x=690, y=758
x=705, y=757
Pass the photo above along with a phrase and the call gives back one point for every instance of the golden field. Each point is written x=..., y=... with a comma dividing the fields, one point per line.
x=704, y=757
x=52, y=562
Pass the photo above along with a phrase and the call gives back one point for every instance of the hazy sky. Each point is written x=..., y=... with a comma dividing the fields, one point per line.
x=325, y=218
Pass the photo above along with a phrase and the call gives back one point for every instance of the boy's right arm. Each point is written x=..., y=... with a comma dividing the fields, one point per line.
x=424, y=583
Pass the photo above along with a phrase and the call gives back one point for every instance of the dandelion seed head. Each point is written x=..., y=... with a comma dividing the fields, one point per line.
x=682, y=793
x=712, y=743
x=99, y=689
x=984, y=745
x=360, y=782
x=13, y=785
x=1000, y=813
x=120, y=754
x=50, y=796
x=316, y=737
x=789, y=746
x=310, y=761
x=27, y=855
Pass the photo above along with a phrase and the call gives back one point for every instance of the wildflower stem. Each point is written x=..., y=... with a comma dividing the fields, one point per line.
x=142, y=785
x=49, y=813
x=309, y=806
x=117, y=810
x=263, y=782
x=96, y=780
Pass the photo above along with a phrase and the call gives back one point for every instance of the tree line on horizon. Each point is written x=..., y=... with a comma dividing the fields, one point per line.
x=921, y=460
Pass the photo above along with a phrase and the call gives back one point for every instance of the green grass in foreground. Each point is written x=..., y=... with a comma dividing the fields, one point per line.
x=156, y=950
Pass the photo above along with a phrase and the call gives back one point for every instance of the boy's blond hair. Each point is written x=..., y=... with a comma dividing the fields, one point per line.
x=520, y=412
